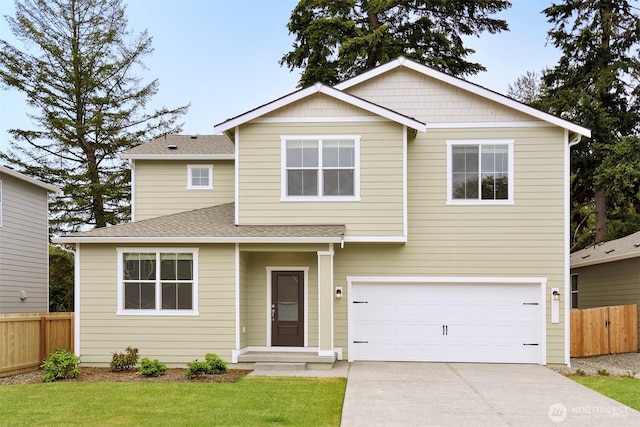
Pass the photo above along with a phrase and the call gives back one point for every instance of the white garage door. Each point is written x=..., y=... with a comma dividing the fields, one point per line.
x=445, y=322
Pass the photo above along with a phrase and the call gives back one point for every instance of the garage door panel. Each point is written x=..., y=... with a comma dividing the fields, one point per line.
x=446, y=322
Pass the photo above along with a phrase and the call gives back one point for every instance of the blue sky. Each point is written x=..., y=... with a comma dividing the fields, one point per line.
x=222, y=55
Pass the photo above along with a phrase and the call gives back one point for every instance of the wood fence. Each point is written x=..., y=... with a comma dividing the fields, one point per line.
x=27, y=339
x=604, y=330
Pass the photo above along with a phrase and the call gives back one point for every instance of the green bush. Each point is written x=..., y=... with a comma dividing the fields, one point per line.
x=212, y=365
x=124, y=361
x=61, y=364
x=151, y=368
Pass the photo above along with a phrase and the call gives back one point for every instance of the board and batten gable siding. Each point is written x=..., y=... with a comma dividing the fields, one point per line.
x=24, y=247
x=525, y=239
x=161, y=187
x=432, y=101
x=174, y=340
x=380, y=209
x=612, y=283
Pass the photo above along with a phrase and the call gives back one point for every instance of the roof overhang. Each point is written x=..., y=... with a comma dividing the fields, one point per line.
x=187, y=240
x=25, y=178
x=588, y=263
x=177, y=156
x=326, y=90
x=465, y=85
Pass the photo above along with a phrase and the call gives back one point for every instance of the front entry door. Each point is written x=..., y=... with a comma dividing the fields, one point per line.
x=287, y=308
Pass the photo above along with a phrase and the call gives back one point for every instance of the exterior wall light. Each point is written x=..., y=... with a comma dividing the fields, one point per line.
x=338, y=294
x=555, y=295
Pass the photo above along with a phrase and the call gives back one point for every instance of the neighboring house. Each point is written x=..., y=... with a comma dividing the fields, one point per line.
x=402, y=215
x=607, y=274
x=24, y=243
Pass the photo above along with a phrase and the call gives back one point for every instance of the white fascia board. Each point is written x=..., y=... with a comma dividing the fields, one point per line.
x=326, y=90
x=194, y=240
x=25, y=178
x=177, y=156
x=465, y=85
x=375, y=239
x=605, y=260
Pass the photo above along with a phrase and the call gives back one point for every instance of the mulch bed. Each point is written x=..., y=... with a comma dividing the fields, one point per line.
x=87, y=374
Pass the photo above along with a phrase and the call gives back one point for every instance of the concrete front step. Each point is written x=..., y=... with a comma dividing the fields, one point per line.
x=286, y=361
x=276, y=367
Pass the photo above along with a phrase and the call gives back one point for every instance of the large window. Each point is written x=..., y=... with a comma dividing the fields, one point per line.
x=157, y=282
x=200, y=177
x=480, y=171
x=320, y=167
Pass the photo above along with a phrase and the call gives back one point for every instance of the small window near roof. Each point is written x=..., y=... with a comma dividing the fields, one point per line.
x=200, y=177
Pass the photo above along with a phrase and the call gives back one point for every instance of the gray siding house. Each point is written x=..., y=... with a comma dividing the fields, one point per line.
x=24, y=243
x=607, y=274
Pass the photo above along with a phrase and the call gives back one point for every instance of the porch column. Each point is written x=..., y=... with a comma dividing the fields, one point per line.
x=325, y=302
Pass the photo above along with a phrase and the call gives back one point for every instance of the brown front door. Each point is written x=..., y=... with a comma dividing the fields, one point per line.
x=287, y=308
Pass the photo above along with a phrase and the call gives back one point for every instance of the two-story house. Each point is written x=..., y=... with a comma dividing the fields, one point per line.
x=402, y=215
x=24, y=243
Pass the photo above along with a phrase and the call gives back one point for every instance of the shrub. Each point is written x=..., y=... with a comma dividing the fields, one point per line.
x=124, y=361
x=151, y=368
x=61, y=364
x=212, y=365
x=603, y=372
x=580, y=372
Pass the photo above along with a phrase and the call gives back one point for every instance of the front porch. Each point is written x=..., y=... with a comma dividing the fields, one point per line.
x=284, y=360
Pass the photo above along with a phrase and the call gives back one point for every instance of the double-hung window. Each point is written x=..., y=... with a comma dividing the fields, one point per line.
x=200, y=177
x=157, y=282
x=480, y=172
x=320, y=168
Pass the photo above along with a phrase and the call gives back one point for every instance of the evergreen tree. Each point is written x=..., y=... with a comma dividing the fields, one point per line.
x=595, y=83
x=339, y=39
x=77, y=71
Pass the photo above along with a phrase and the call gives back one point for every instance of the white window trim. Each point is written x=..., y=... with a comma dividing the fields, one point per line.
x=450, y=144
x=158, y=311
x=190, y=186
x=283, y=166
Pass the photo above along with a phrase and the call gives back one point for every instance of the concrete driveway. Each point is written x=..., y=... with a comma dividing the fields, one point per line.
x=459, y=394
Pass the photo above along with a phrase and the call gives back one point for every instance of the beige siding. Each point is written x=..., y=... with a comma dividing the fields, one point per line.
x=319, y=105
x=432, y=101
x=174, y=340
x=24, y=247
x=380, y=209
x=161, y=187
x=614, y=283
x=520, y=240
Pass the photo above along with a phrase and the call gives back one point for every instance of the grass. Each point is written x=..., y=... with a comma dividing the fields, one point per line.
x=624, y=390
x=250, y=402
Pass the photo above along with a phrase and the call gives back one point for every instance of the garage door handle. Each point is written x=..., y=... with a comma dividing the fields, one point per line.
x=361, y=302
x=529, y=303
x=445, y=329
x=529, y=344
x=361, y=342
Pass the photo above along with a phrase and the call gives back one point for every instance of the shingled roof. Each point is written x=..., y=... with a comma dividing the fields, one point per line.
x=184, y=146
x=214, y=224
x=613, y=250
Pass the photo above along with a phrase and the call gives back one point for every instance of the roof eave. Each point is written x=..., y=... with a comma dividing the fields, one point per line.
x=326, y=90
x=50, y=188
x=191, y=240
x=606, y=260
x=465, y=85
x=177, y=156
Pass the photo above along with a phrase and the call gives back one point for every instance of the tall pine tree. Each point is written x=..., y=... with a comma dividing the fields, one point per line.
x=339, y=39
x=595, y=83
x=77, y=72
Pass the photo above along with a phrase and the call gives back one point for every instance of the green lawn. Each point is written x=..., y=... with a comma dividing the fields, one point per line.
x=250, y=402
x=624, y=390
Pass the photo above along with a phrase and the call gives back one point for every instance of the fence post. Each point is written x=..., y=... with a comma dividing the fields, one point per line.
x=43, y=338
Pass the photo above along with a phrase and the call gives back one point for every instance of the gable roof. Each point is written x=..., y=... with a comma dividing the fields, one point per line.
x=213, y=224
x=326, y=90
x=613, y=250
x=25, y=178
x=189, y=147
x=465, y=85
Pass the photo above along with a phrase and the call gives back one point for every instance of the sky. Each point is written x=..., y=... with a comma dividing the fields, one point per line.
x=221, y=56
